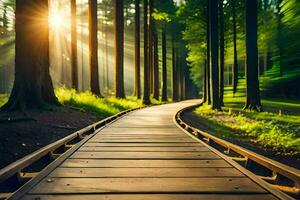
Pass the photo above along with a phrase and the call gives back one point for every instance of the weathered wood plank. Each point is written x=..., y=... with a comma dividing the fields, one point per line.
x=141, y=130
x=146, y=155
x=147, y=144
x=135, y=136
x=168, y=140
x=144, y=149
x=146, y=185
x=144, y=163
x=102, y=137
x=142, y=126
x=147, y=121
x=152, y=197
x=145, y=172
x=115, y=135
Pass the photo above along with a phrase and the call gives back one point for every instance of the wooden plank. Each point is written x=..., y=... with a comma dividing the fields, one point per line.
x=129, y=126
x=102, y=137
x=134, y=136
x=145, y=172
x=146, y=185
x=148, y=144
x=144, y=149
x=168, y=140
x=133, y=132
x=150, y=121
x=144, y=163
x=152, y=197
x=110, y=129
x=146, y=155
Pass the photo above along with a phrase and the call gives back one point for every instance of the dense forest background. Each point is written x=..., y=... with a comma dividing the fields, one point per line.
x=278, y=43
x=60, y=48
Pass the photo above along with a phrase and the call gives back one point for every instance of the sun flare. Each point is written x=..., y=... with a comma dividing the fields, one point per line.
x=55, y=21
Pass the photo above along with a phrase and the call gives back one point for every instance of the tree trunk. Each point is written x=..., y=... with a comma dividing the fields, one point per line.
x=150, y=35
x=106, y=51
x=146, y=95
x=183, y=73
x=137, y=57
x=74, y=61
x=204, y=96
x=164, y=64
x=174, y=70
x=214, y=48
x=252, y=84
x=222, y=52
x=235, y=71
x=32, y=86
x=279, y=36
x=119, y=48
x=208, y=53
x=5, y=20
x=93, y=47
x=155, y=64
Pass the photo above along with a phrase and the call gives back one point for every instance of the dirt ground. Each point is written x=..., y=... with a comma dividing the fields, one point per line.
x=195, y=121
x=21, y=135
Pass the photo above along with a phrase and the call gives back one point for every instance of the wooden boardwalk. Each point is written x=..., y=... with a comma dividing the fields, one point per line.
x=144, y=155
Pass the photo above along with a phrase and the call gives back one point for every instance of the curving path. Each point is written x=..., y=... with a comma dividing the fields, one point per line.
x=143, y=155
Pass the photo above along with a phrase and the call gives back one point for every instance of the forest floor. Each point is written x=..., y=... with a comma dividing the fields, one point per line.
x=274, y=133
x=21, y=135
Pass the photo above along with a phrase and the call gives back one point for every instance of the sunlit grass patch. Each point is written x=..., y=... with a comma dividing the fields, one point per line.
x=278, y=132
x=3, y=99
x=87, y=102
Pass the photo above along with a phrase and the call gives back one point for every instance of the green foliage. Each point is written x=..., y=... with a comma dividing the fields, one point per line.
x=192, y=15
x=161, y=16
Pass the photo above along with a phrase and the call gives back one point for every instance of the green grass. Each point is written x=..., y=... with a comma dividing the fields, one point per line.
x=87, y=102
x=3, y=99
x=277, y=128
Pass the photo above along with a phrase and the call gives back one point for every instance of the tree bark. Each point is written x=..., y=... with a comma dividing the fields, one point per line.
x=119, y=48
x=93, y=47
x=137, y=57
x=183, y=73
x=106, y=51
x=222, y=52
x=32, y=86
x=204, y=96
x=164, y=64
x=146, y=95
x=155, y=64
x=174, y=70
x=74, y=61
x=208, y=53
x=150, y=38
x=214, y=45
x=252, y=85
x=5, y=20
x=235, y=72
x=279, y=36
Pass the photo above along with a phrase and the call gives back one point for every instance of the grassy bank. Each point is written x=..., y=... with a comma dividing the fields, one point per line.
x=276, y=129
x=87, y=102
x=101, y=107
